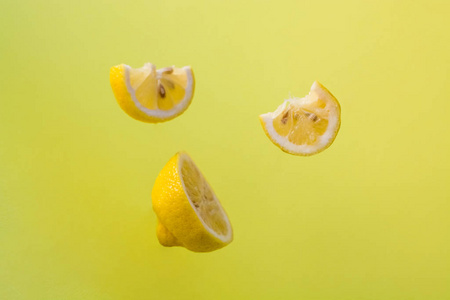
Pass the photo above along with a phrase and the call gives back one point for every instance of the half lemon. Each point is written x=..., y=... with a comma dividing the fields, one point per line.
x=189, y=213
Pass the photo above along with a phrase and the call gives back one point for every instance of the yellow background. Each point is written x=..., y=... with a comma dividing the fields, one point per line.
x=368, y=218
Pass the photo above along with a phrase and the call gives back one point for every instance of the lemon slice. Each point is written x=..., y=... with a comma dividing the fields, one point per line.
x=151, y=95
x=189, y=213
x=304, y=126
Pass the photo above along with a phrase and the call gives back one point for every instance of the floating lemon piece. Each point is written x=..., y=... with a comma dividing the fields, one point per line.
x=151, y=95
x=189, y=213
x=304, y=126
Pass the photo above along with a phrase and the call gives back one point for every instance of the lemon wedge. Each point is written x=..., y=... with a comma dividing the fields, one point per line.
x=304, y=126
x=151, y=95
x=189, y=213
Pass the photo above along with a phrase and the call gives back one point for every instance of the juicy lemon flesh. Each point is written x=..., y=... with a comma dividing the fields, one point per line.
x=302, y=123
x=162, y=89
x=203, y=199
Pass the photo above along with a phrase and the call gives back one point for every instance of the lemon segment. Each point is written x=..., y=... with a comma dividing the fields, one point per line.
x=151, y=95
x=304, y=126
x=189, y=213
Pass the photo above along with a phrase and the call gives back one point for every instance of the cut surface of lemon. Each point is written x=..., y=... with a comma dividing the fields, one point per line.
x=151, y=95
x=189, y=213
x=304, y=126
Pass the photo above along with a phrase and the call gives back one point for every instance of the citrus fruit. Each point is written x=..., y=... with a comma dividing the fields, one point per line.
x=151, y=95
x=189, y=213
x=304, y=126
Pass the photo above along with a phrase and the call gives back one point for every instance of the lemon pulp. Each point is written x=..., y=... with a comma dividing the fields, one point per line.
x=203, y=198
x=162, y=89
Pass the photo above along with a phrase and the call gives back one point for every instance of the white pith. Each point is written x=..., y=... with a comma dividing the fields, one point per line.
x=323, y=140
x=183, y=157
x=156, y=113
